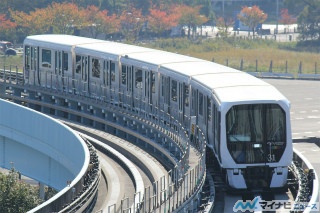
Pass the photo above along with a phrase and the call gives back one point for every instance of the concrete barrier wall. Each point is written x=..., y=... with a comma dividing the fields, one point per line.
x=40, y=147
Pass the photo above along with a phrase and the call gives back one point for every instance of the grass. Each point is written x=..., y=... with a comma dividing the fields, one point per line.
x=254, y=55
x=15, y=62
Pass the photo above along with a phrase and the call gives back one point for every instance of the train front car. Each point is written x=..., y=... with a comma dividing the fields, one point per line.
x=256, y=143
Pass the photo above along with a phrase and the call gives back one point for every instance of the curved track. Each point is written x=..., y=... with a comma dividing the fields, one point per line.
x=121, y=184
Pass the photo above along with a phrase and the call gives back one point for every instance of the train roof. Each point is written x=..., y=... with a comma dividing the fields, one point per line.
x=109, y=49
x=156, y=58
x=227, y=84
x=59, y=42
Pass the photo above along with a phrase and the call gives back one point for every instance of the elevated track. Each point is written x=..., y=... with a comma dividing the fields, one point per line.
x=179, y=185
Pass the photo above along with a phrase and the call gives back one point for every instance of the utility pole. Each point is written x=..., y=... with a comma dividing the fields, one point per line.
x=277, y=16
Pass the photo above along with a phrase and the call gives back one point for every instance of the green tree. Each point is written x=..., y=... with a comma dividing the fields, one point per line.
x=309, y=21
x=294, y=7
x=223, y=25
x=15, y=195
x=252, y=16
x=191, y=17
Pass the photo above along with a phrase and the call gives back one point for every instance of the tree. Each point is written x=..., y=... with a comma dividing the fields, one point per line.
x=98, y=22
x=295, y=7
x=57, y=18
x=7, y=27
x=66, y=17
x=15, y=195
x=223, y=25
x=190, y=17
x=309, y=21
x=286, y=18
x=252, y=16
x=37, y=22
x=131, y=22
x=160, y=21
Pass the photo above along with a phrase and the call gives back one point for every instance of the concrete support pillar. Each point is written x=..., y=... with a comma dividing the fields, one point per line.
x=42, y=193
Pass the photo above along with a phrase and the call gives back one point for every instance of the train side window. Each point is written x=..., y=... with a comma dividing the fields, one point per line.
x=65, y=60
x=84, y=67
x=200, y=103
x=174, y=90
x=113, y=71
x=34, y=55
x=78, y=64
x=209, y=108
x=186, y=95
x=153, y=82
x=162, y=85
x=27, y=57
x=138, y=79
x=95, y=68
x=124, y=74
x=46, y=58
x=104, y=70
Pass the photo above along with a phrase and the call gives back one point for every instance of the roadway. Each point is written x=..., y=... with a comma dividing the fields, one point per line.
x=304, y=96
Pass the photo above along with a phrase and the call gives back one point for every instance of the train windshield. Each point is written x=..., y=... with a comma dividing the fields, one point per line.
x=256, y=133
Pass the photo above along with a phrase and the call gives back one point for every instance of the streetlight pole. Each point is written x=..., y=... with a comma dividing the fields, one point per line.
x=277, y=16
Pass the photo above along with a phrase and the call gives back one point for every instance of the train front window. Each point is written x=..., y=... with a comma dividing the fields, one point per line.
x=256, y=133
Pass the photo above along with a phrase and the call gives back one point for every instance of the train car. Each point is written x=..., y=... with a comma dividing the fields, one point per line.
x=245, y=120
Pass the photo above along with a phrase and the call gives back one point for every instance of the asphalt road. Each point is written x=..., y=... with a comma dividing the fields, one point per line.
x=304, y=96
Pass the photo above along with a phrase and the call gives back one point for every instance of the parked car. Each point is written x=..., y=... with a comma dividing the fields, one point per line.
x=4, y=45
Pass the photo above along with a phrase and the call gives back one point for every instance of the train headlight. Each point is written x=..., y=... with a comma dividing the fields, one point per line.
x=236, y=171
x=278, y=170
x=257, y=145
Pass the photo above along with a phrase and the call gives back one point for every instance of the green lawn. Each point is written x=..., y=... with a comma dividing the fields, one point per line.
x=254, y=55
x=15, y=62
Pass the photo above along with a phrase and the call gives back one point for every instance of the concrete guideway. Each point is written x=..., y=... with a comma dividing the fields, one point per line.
x=41, y=139
x=129, y=167
x=156, y=172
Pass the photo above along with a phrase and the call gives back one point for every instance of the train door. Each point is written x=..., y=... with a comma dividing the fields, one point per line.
x=165, y=93
x=81, y=74
x=194, y=102
x=181, y=102
x=186, y=104
x=154, y=89
x=95, y=77
x=126, y=86
x=108, y=77
x=201, y=112
x=31, y=65
x=59, y=80
x=27, y=64
x=148, y=90
x=105, y=79
x=115, y=73
x=210, y=128
x=174, y=96
x=137, y=87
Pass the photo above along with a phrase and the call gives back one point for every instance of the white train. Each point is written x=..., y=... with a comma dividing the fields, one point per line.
x=246, y=121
